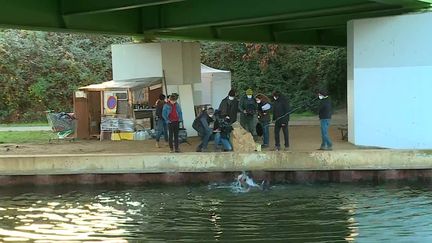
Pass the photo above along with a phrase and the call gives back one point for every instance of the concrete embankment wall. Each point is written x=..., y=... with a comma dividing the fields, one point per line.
x=335, y=166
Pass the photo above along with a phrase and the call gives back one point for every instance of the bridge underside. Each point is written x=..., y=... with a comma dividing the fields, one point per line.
x=312, y=22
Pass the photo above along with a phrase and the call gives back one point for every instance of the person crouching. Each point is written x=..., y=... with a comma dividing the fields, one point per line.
x=203, y=124
x=222, y=131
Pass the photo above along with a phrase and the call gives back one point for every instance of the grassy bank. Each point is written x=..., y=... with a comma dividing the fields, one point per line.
x=25, y=137
x=30, y=124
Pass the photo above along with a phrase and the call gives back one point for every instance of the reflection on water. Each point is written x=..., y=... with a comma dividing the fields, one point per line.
x=65, y=217
x=287, y=213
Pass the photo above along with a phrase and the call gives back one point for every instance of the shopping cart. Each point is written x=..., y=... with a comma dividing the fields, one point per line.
x=62, y=124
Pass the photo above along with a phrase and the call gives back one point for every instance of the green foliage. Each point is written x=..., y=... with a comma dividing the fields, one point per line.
x=295, y=71
x=40, y=70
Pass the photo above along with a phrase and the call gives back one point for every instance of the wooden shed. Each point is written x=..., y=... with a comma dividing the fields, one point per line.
x=130, y=100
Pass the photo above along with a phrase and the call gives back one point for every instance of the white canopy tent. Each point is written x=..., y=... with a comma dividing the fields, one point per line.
x=215, y=85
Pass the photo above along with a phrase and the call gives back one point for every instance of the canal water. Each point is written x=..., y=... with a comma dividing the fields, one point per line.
x=210, y=213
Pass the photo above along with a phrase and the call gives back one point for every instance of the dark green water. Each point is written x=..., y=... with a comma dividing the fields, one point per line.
x=286, y=213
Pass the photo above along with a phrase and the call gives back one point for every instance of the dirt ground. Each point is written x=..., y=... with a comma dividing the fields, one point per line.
x=302, y=138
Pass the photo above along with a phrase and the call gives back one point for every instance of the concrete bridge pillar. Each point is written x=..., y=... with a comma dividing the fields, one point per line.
x=178, y=61
x=390, y=81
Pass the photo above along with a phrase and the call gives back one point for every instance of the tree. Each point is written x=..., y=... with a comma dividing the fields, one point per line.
x=39, y=71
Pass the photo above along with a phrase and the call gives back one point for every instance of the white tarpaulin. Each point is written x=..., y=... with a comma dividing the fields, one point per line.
x=215, y=85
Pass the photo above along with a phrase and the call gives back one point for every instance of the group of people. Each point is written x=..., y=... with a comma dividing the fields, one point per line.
x=212, y=125
x=169, y=115
x=216, y=125
x=262, y=107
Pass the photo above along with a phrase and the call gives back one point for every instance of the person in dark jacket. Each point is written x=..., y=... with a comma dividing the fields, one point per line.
x=222, y=131
x=281, y=111
x=161, y=124
x=325, y=113
x=264, y=109
x=173, y=115
x=247, y=107
x=229, y=106
x=203, y=124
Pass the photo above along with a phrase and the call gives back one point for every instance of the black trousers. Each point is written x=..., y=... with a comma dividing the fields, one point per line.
x=173, y=135
x=278, y=127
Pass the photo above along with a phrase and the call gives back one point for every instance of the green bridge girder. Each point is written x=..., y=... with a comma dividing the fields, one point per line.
x=310, y=22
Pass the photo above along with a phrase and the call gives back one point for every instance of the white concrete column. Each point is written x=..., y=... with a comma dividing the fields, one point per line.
x=350, y=84
x=390, y=81
x=131, y=61
x=180, y=61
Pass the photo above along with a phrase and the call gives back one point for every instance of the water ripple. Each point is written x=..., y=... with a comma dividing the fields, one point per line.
x=294, y=213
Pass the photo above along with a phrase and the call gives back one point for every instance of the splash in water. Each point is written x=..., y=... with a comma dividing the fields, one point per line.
x=242, y=183
x=245, y=183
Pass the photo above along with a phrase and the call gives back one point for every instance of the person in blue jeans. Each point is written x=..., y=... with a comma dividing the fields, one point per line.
x=222, y=131
x=161, y=125
x=325, y=113
x=264, y=109
x=203, y=124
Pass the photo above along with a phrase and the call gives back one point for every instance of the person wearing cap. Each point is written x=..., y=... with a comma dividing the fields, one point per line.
x=248, y=107
x=172, y=115
x=325, y=113
x=203, y=124
x=281, y=111
x=229, y=106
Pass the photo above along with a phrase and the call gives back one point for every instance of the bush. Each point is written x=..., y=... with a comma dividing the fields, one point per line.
x=295, y=71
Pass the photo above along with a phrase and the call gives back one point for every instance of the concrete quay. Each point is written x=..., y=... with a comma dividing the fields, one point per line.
x=307, y=166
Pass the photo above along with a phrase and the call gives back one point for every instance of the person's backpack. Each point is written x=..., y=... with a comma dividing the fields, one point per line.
x=196, y=124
